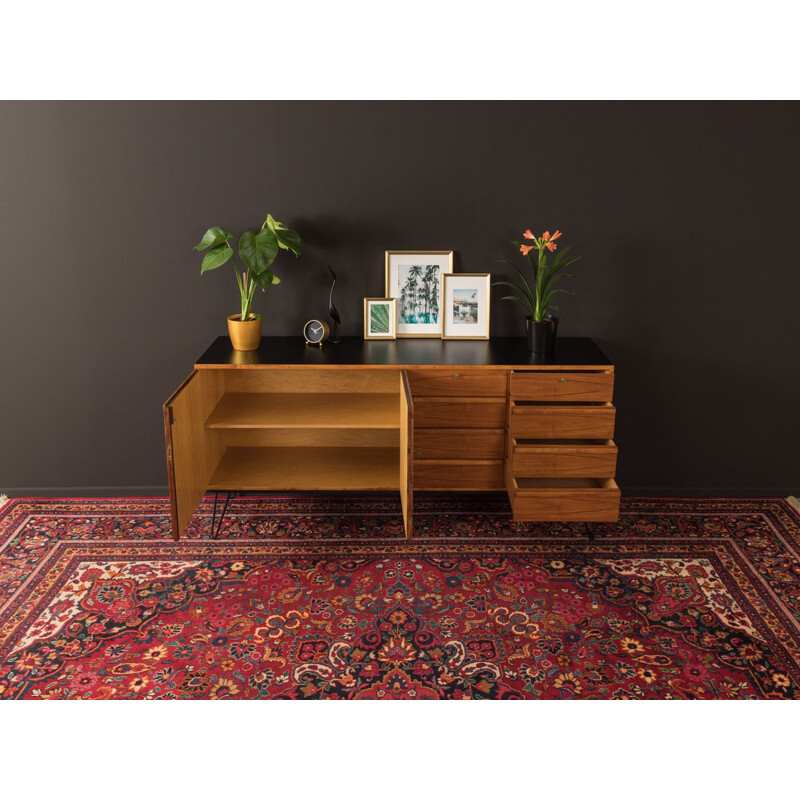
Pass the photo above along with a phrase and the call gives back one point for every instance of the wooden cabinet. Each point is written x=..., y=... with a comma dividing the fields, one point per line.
x=404, y=416
x=459, y=424
x=561, y=458
x=342, y=432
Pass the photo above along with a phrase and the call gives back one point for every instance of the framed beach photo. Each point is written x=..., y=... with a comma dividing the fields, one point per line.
x=415, y=279
x=466, y=305
x=380, y=318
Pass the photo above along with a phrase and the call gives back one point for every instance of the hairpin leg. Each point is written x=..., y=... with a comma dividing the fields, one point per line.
x=228, y=496
x=214, y=513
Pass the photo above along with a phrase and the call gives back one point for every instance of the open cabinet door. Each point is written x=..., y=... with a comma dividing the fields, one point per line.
x=192, y=454
x=406, y=450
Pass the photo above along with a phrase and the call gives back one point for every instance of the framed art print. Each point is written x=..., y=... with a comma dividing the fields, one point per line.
x=466, y=305
x=415, y=279
x=380, y=318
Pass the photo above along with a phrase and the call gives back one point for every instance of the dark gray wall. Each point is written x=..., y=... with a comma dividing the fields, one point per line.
x=685, y=214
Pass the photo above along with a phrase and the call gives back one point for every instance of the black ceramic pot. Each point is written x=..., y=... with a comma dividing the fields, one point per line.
x=540, y=336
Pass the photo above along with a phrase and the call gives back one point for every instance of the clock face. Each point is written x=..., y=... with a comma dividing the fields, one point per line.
x=314, y=331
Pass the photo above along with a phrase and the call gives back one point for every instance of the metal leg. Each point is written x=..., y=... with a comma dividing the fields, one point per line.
x=222, y=515
x=214, y=513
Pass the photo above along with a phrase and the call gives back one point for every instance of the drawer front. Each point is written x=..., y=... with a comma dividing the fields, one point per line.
x=567, y=504
x=563, y=460
x=456, y=476
x=581, y=387
x=562, y=422
x=459, y=412
x=458, y=382
x=459, y=443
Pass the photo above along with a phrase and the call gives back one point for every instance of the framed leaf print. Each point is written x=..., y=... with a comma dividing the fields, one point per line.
x=380, y=318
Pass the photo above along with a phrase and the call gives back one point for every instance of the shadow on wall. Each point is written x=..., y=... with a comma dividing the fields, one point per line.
x=355, y=251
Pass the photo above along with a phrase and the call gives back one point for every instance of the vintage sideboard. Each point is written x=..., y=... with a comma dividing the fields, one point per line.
x=404, y=416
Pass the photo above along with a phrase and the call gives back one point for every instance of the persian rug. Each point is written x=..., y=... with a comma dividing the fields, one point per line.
x=322, y=597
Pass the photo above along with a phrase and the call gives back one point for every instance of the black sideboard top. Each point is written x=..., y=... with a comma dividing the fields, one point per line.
x=505, y=351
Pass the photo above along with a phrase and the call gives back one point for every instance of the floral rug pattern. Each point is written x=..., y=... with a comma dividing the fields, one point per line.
x=311, y=597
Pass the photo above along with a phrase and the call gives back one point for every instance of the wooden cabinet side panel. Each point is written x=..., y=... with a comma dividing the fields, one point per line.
x=406, y=450
x=192, y=455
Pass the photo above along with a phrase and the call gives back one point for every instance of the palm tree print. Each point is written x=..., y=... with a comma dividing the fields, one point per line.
x=419, y=293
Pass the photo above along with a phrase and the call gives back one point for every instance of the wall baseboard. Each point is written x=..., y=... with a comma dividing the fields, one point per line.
x=712, y=491
x=88, y=491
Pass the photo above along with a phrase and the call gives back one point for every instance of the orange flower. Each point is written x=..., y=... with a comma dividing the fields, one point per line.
x=550, y=240
x=528, y=234
x=525, y=249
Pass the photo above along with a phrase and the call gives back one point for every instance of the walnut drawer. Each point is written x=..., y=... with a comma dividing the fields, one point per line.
x=458, y=475
x=459, y=412
x=564, y=499
x=458, y=382
x=459, y=443
x=581, y=387
x=563, y=458
x=561, y=422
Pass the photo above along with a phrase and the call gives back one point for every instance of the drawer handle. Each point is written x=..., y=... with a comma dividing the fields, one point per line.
x=456, y=375
x=563, y=380
x=417, y=451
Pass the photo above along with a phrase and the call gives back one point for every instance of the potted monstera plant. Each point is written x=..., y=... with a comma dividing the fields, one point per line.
x=257, y=254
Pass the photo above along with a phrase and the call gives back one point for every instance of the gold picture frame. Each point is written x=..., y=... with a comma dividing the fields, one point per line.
x=369, y=331
x=466, y=316
x=442, y=261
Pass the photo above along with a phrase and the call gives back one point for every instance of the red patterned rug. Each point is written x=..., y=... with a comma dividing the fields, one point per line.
x=322, y=597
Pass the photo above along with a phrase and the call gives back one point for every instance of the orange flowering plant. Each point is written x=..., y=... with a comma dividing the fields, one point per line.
x=537, y=297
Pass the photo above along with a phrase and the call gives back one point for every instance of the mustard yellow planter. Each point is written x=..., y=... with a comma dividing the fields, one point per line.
x=244, y=335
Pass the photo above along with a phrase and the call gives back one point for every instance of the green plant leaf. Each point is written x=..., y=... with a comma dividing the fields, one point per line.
x=553, y=278
x=519, y=300
x=287, y=239
x=267, y=246
x=216, y=257
x=265, y=278
x=258, y=251
x=212, y=237
x=248, y=251
x=515, y=288
x=522, y=275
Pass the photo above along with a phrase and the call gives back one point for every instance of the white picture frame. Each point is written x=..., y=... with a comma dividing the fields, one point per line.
x=416, y=279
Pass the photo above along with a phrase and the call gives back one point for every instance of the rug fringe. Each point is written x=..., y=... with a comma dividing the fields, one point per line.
x=4, y=499
x=794, y=502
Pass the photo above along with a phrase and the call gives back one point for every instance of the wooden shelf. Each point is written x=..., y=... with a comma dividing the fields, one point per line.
x=346, y=410
x=310, y=469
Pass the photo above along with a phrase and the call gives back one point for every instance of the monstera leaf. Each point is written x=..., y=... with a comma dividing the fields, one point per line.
x=220, y=253
x=212, y=237
x=258, y=250
x=287, y=239
x=265, y=278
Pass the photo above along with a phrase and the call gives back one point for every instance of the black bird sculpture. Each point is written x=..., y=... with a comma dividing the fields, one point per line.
x=337, y=321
